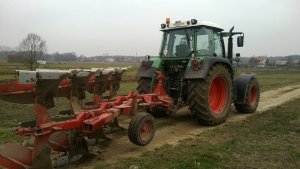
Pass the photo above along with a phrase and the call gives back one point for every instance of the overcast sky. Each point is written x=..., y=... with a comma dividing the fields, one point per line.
x=94, y=27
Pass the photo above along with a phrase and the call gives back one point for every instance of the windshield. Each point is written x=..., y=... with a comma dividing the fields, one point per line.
x=177, y=43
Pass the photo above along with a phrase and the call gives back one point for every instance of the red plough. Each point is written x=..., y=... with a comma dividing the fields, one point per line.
x=69, y=132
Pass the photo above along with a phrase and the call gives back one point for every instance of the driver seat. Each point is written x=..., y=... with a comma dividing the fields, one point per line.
x=182, y=49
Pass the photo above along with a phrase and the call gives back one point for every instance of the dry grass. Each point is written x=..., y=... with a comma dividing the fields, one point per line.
x=268, y=140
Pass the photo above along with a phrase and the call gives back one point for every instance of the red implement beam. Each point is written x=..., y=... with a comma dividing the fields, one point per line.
x=93, y=124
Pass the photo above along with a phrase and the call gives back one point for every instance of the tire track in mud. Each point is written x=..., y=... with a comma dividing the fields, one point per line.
x=179, y=127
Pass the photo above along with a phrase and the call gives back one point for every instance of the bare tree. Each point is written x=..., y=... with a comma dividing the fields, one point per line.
x=32, y=49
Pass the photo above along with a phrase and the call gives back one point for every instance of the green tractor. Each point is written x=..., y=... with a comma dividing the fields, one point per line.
x=199, y=73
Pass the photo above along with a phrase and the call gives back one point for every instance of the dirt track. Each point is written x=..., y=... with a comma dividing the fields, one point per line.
x=184, y=126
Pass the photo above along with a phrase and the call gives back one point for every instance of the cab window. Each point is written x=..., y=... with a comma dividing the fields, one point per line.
x=218, y=45
x=178, y=43
x=204, y=44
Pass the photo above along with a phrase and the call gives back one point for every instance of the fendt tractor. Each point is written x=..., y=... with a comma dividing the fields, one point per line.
x=199, y=73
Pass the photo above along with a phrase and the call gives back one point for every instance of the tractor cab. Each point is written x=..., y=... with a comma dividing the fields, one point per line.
x=186, y=39
x=191, y=38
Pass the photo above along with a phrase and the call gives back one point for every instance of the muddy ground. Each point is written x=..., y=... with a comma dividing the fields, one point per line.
x=179, y=126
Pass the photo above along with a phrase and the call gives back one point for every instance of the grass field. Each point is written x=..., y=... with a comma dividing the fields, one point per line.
x=272, y=79
x=268, y=140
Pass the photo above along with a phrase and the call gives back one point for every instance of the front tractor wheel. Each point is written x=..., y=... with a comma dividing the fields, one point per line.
x=210, y=99
x=252, y=98
x=141, y=129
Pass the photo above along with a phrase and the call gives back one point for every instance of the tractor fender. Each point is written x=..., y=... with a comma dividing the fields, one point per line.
x=205, y=66
x=241, y=84
x=148, y=68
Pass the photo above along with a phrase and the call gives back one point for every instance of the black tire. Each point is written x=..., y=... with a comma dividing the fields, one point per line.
x=144, y=87
x=137, y=127
x=199, y=93
x=252, y=98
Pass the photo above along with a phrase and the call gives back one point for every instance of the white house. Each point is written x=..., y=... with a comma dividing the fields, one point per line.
x=42, y=62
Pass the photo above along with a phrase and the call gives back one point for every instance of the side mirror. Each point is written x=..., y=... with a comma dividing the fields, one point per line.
x=240, y=41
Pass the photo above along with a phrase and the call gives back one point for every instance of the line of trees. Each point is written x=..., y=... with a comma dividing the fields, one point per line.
x=70, y=56
x=33, y=48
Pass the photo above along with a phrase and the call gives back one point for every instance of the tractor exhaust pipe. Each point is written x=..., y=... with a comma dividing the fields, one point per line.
x=230, y=45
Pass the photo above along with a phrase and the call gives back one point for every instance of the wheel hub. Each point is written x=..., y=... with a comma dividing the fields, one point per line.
x=253, y=93
x=218, y=95
x=146, y=130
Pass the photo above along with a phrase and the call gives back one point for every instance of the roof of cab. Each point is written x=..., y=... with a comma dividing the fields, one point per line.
x=173, y=26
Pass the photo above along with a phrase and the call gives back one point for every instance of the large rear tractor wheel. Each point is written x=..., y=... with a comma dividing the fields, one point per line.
x=144, y=87
x=141, y=129
x=252, y=98
x=210, y=98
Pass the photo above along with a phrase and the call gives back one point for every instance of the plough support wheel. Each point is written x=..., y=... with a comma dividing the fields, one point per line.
x=141, y=129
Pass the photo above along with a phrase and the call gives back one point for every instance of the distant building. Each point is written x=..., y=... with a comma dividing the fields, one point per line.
x=42, y=62
x=109, y=60
x=279, y=63
x=262, y=61
x=295, y=61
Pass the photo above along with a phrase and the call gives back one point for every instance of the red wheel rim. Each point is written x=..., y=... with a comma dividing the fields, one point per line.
x=218, y=95
x=253, y=93
x=146, y=130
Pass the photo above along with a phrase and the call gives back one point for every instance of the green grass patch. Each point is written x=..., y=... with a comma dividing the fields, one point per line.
x=127, y=87
x=8, y=135
x=273, y=79
x=268, y=140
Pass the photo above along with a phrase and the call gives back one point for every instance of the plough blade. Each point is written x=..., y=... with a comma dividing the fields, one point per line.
x=17, y=93
x=71, y=142
x=42, y=160
x=15, y=156
x=59, y=141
